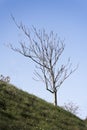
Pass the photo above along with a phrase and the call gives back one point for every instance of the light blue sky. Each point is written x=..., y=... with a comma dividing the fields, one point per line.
x=67, y=18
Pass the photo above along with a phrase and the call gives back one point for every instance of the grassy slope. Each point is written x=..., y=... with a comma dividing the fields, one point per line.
x=22, y=111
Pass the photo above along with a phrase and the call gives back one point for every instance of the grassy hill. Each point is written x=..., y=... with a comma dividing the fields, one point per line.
x=22, y=111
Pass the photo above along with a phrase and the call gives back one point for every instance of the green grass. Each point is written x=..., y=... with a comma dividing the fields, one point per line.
x=22, y=111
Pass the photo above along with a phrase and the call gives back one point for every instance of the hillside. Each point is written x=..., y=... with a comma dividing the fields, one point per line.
x=22, y=111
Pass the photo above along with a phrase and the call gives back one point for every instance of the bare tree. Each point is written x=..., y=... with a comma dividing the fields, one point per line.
x=71, y=107
x=45, y=50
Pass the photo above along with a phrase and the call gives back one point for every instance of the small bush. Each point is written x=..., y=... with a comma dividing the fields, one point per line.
x=4, y=79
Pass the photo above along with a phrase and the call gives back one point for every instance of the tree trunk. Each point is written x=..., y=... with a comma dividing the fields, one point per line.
x=55, y=98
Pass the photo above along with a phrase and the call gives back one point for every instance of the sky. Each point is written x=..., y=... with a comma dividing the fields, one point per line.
x=67, y=18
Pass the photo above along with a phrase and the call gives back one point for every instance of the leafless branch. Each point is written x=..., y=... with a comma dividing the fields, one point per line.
x=45, y=50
